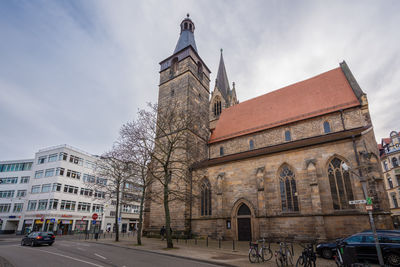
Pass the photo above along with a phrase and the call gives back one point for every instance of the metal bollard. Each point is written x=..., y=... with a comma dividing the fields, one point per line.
x=233, y=245
x=195, y=241
x=207, y=242
x=219, y=242
x=186, y=241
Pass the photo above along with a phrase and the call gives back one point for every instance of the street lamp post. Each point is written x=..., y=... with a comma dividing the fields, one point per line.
x=363, y=182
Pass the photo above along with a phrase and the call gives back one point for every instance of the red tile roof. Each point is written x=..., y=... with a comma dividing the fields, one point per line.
x=324, y=93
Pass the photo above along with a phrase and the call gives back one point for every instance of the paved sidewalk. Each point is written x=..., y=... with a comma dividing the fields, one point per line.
x=224, y=256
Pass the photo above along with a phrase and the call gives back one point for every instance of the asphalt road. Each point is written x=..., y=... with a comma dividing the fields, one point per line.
x=79, y=254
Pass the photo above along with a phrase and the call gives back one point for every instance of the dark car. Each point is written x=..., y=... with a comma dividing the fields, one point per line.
x=364, y=246
x=38, y=238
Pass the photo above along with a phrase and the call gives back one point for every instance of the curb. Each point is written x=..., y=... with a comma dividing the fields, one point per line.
x=166, y=254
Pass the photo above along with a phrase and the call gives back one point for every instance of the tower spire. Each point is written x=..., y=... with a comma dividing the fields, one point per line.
x=186, y=37
x=222, y=78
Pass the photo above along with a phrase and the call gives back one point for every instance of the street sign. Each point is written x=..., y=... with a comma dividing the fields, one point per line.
x=52, y=220
x=369, y=201
x=94, y=222
x=360, y=201
x=119, y=219
x=369, y=207
x=95, y=216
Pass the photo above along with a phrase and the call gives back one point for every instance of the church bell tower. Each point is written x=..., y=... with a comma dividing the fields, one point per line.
x=184, y=83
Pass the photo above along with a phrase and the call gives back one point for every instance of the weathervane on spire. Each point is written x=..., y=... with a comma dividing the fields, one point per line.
x=187, y=15
x=222, y=50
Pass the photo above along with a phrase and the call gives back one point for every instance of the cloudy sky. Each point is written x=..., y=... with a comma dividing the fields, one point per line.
x=72, y=72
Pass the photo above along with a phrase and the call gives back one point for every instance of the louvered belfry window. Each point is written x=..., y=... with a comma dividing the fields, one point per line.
x=340, y=184
x=288, y=190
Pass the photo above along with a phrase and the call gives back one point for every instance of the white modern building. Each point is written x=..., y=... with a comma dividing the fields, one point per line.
x=14, y=184
x=59, y=191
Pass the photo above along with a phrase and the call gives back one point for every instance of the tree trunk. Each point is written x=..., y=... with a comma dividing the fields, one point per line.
x=139, y=230
x=116, y=216
x=167, y=215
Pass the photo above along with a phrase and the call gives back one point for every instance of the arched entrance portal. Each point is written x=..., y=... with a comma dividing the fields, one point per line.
x=244, y=223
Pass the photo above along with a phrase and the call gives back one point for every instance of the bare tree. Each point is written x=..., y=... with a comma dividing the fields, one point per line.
x=118, y=171
x=167, y=134
x=135, y=142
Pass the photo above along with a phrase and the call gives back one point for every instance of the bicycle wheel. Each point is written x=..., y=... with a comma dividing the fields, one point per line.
x=300, y=261
x=279, y=259
x=253, y=257
x=289, y=258
x=267, y=254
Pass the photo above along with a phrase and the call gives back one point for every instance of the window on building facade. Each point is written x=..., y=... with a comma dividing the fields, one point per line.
x=390, y=182
x=7, y=194
x=49, y=172
x=42, y=159
x=46, y=188
x=288, y=136
x=42, y=205
x=97, y=208
x=38, y=174
x=101, y=181
x=385, y=165
x=205, y=199
x=9, y=180
x=394, y=199
x=24, y=179
x=174, y=66
x=221, y=151
x=86, y=192
x=21, y=193
x=18, y=207
x=56, y=187
x=99, y=194
x=5, y=207
x=63, y=156
x=251, y=144
x=11, y=167
x=60, y=171
x=53, y=204
x=88, y=178
x=243, y=210
x=288, y=190
x=35, y=189
x=217, y=107
x=395, y=162
x=84, y=206
x=32, y=204
x=53, y=157
x=73, y=174
x=327, y=127
x=70, y=189
x=76, y=160
x=199, y=70
x=67, y=205
x=340, y=184
x=398, y=179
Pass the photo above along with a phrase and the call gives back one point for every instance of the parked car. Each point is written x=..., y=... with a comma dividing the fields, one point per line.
x=365, y=249
x=38, y=238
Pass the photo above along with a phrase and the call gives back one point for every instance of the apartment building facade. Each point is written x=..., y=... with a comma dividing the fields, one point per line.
x=61, y=192
x=390, y=158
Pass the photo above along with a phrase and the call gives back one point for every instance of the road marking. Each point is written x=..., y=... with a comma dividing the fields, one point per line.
x=68, y=257
x=100, y=256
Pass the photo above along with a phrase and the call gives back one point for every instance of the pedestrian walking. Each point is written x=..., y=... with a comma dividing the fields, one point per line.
x=162, y=232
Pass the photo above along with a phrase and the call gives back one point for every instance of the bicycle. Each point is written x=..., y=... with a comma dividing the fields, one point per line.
x=284, y=256
x=346, y=257
x=307, y=257
x=264, y=253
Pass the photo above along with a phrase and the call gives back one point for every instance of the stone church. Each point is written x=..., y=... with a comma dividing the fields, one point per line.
x=272, y=166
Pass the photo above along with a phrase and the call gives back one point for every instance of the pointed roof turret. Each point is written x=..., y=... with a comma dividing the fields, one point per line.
x=222, y=82
x=186, y=37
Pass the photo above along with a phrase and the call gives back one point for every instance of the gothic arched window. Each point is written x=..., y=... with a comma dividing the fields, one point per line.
x=395, y=162
x=327, y=127
x=217, y=107
x=243, y=210
x=221, y=151
x=340, y=184
x=390, y=182
x=205, y=198
x=288, y=190
x=288, y=136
